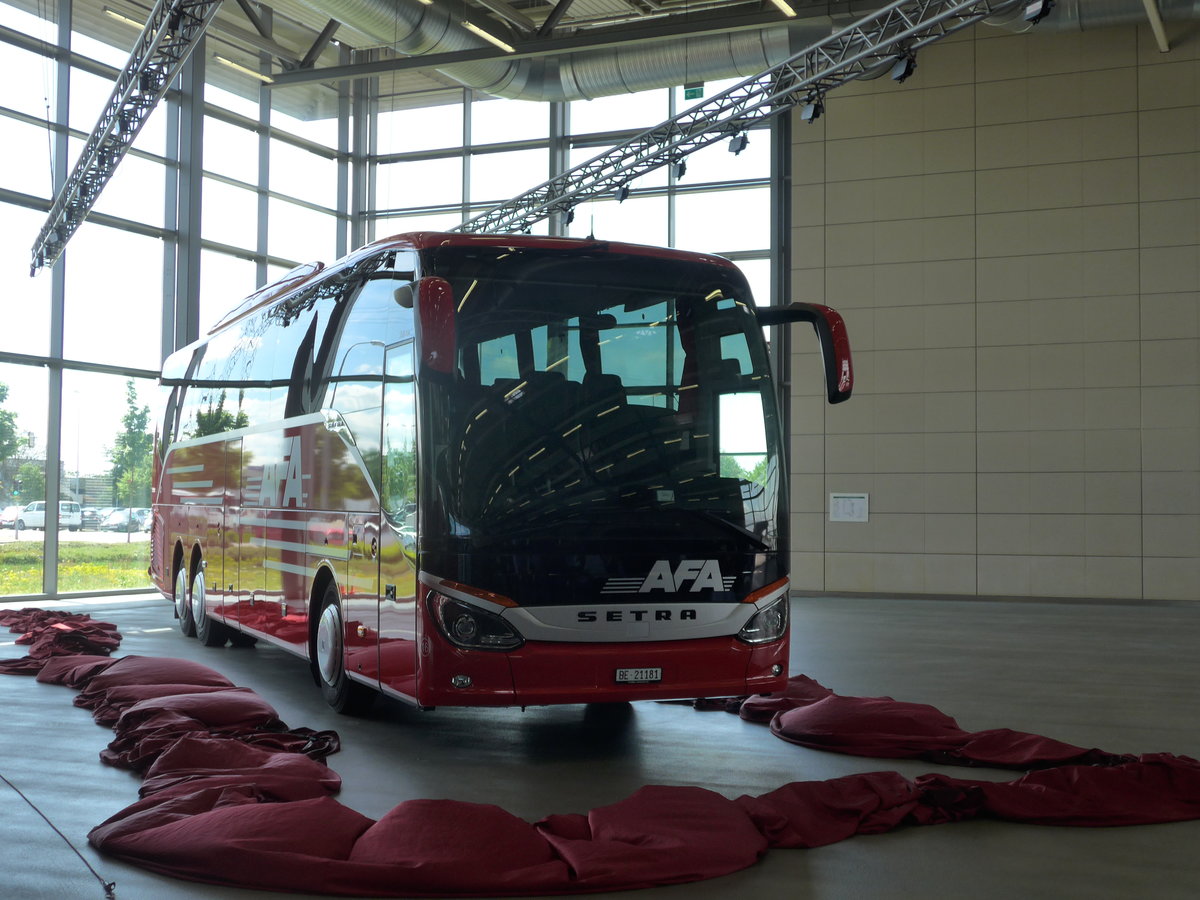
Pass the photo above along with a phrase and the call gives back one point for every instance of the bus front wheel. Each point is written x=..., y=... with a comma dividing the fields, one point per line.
x=329, y=659
x=183, y=608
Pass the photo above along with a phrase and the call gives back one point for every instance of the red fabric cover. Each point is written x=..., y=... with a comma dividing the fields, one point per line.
x=658, y=835
x=811, y=715
x=225, y=836
x=230, y=797
x=425, y=844
x=50, y=633
x=151, y=726
x=73, y=671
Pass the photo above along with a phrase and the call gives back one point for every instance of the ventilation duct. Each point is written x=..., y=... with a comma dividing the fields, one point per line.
x=412, y=29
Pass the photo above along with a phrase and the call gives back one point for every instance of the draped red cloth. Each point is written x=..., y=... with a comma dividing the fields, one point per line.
x=232, y=796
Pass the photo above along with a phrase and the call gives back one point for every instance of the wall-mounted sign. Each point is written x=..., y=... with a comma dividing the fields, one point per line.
x=849, y=507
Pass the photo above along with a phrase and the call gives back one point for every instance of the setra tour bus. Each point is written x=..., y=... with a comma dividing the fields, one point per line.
x=478, y=470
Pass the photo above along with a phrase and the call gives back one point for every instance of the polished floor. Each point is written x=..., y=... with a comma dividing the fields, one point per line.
x=1121, y=677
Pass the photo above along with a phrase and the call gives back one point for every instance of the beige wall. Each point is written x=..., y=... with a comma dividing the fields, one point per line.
x=1013, y=236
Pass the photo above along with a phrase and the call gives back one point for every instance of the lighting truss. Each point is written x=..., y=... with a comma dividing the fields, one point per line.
x=166, y=42
x=868, y=47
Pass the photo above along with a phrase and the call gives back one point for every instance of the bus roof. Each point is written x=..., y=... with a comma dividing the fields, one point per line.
x=424, y=240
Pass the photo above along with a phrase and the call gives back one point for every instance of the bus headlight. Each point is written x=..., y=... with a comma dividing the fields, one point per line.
x=470, y=627
x=766, y=625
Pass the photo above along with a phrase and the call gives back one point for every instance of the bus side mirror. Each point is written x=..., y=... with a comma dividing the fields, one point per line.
x=835, y=342
x=435, y=330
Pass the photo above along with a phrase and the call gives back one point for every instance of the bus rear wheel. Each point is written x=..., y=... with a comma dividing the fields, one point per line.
x=329, y=659
x=183, y=607
x=210, y=632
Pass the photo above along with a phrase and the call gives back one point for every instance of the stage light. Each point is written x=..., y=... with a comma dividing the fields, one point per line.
x=738, y=143
x=621, y=193
x=902, y=68
x=678, y=168
x=812, y=110
x=1038, y=10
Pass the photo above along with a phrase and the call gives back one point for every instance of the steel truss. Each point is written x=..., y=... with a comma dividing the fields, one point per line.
x=869, y=47
x=170, y=35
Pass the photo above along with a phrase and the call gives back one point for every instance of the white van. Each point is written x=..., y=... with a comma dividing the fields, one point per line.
x=34, y=515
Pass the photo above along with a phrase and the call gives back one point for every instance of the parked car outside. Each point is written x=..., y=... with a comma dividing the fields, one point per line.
x=8, y=516
x=117, y=520
x=34, y=515
x=127, y=520
x=91, y=517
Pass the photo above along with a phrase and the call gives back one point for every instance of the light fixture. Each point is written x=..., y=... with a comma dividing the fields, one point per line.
x=678, y=168
x=784, y=8
x=812, y=109
x=1038, y=10
x=121, y=17
x=621, y=193
x=903, y=67
x=738, y=143
x=245, y=70
x=425, y=2
x=489, y=37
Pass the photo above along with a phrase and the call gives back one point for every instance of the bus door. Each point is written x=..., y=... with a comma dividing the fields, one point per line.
x=398, y=539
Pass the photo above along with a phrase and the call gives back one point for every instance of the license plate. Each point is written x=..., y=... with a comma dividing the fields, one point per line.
x=638, y=676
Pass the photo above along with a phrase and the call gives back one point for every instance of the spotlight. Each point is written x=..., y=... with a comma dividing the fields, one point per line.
x=621, y=193
x=738, y=143
x=678, y=168
x=812, y=110
x=1038, y=10
x=569, y=216
x=902, y=68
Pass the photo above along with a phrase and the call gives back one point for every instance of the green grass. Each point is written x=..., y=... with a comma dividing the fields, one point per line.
x=81, y=567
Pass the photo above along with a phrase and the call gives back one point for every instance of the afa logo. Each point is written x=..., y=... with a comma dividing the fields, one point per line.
x=285, y=475
x=692, y=575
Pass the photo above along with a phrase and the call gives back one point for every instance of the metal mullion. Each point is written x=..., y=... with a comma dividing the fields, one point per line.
x=343, y=160
x=263, y=203
x=191, y=168
x=170, y=283
x=672, y=181
x=464, y=151
x=559, y=157
x=58, y=297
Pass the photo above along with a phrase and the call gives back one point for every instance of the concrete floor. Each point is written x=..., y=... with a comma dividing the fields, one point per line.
x=1120, y=677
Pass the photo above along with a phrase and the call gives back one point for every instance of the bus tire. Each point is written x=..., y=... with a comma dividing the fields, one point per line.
x=183, y=606
x=210, y=632
x=329, y=659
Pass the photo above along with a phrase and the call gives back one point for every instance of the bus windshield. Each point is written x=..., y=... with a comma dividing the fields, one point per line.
x=600, y=395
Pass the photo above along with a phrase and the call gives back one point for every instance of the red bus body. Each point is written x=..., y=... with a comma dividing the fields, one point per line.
x=285, y=528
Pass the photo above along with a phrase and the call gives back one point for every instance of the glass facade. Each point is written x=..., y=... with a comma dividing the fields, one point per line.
x=170, y=247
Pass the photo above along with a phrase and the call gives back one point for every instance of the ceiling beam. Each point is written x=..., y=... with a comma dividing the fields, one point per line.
x=556, y=14
x=513, y=17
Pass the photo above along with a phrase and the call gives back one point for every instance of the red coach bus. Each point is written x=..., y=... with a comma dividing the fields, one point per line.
x=472, y=470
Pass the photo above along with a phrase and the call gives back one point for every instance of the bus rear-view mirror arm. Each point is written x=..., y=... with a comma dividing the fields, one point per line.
x=835, y=342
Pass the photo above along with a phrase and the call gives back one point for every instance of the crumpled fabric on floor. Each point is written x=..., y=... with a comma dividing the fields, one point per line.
x=231, y=796
x=809, y=714
x=50, y=634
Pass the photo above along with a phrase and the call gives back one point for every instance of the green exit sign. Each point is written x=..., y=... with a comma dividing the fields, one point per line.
x=693, y=91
